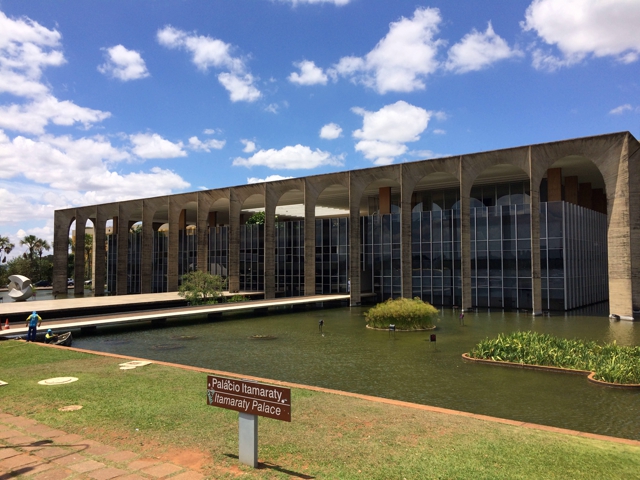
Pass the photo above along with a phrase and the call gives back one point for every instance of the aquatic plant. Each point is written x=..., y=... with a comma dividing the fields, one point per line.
x=611, y=362
x=404, y=313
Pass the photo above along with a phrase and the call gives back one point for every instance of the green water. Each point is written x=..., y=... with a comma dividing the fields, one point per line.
x=404, y=366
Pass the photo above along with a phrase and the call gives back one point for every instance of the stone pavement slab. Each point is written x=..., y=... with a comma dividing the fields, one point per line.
x=9, y=434
x=52, y=452
x=18, y=461
x=54, y=474
x=190, y=475
x=86, y=466
x=70, y=438
x=162, y=470
x=32, y=470
x=140, y=464
x=69, y=458
x=120, y=456
x=8, y=452
x=106, y=473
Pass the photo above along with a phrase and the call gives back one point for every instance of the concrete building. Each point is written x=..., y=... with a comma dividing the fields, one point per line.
x=551, y=226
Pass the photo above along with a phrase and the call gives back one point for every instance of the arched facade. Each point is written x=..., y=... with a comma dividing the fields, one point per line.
x=396, y=190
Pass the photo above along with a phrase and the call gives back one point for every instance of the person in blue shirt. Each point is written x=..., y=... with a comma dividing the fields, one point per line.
x=50, y=337
x=33, y=322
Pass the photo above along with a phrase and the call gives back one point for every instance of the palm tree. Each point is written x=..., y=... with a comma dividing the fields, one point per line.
x=5, y=248
x=41, y=245
x=30, y=241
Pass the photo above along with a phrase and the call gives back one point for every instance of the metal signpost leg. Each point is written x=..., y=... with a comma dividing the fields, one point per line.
x=248, y=439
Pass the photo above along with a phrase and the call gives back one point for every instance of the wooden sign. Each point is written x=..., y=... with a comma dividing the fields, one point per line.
x=252, y=398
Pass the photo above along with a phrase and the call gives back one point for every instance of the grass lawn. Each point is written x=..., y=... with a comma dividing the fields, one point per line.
x=161, y=411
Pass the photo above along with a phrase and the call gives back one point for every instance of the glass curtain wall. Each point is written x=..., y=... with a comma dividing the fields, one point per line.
x=435, y=247
x=134, y=262
x=380, y=257
x=187, y=252
x=500, y=231
x=219, y=251
x=573, y=252
x=289, y=258
x=332, y=256
x=160, y=257
x=112, y=263
x=252, y=258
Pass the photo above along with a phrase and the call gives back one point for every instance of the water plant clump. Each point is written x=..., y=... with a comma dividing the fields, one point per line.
x=610, y=362
x=404, y=313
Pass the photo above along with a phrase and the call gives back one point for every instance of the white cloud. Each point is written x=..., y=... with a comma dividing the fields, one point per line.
x=478, y=50
x=584, y=27
x=290, y=158
x=64, y=172
x=439, y=131
x=196, y=144
x=207, y=52
x=35, y=116
x=152, y=145
x=26, y=47
x=249, y=146
x=309, y=74
x=330, y=131
x=240, y=88
x=270, y=178
x=123, y=64
x=621, y=109
x=385, y=132
x=272, y=108
x=295, y=3
x=402, y=59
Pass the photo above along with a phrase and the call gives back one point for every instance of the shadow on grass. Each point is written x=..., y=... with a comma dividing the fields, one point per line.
x=271, y=466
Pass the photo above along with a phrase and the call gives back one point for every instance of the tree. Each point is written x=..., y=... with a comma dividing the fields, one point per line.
x=258, y=218
x=30, y=241
x=201, y=288
x=39, y=247
x=5, y=248
x=87, y=253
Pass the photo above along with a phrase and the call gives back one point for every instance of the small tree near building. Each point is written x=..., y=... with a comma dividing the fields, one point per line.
x=201, y=288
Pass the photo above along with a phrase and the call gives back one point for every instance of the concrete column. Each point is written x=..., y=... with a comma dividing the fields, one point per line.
x=571, y=189
x=384, y=200
x=621, y=262
x=554, y=184
x=465, y=244
x=61, y=221
x=269, y=243
x=309, y=242
x=146, y=266
x=536, y=281
x=355, y=273
x=234, y=242
x=405, y=239
x=99, y=258
x=122, y=269
x=203, y=224
x=584, y=195
x=172, y=256
x=79, y=256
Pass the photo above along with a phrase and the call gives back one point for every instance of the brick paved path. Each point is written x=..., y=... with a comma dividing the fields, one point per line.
x=30, y=449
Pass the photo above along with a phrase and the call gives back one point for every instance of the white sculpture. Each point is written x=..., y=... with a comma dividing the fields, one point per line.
x=20, y=288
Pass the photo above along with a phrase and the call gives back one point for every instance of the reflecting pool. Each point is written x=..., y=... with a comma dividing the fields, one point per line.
x=403, y=366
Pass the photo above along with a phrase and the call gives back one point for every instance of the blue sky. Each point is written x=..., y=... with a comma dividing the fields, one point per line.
x=105, y=101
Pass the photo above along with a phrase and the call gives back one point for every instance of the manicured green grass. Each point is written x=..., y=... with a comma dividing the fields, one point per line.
x=404, y=313
x=610, y=362
x=154, y=409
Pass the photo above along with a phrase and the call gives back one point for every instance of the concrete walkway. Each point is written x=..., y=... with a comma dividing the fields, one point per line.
x=30, y=449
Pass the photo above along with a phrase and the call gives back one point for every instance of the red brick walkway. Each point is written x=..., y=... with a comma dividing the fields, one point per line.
x=30, y=449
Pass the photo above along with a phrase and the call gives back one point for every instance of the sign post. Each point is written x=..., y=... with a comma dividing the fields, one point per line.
x=250, y=399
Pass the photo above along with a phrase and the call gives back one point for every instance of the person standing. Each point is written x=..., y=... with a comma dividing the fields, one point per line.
x=33, y=322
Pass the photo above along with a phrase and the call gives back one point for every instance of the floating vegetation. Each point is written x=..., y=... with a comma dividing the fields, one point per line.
x=167, y=346
x=611, y=362
x=262, y=337
x=404, y=313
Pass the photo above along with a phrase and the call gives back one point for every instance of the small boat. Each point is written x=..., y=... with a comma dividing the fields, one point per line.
x=64, y=339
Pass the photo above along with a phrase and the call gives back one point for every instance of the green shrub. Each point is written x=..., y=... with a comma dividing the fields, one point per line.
x=201, y=288
x=404, y=313
x=610, y=362
x=236, y=299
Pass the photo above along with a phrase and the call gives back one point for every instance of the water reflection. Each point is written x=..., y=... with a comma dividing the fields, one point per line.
x=404, y=366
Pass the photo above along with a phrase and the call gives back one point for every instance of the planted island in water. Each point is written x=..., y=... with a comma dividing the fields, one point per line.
x=610, y=362
x=404, y=313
